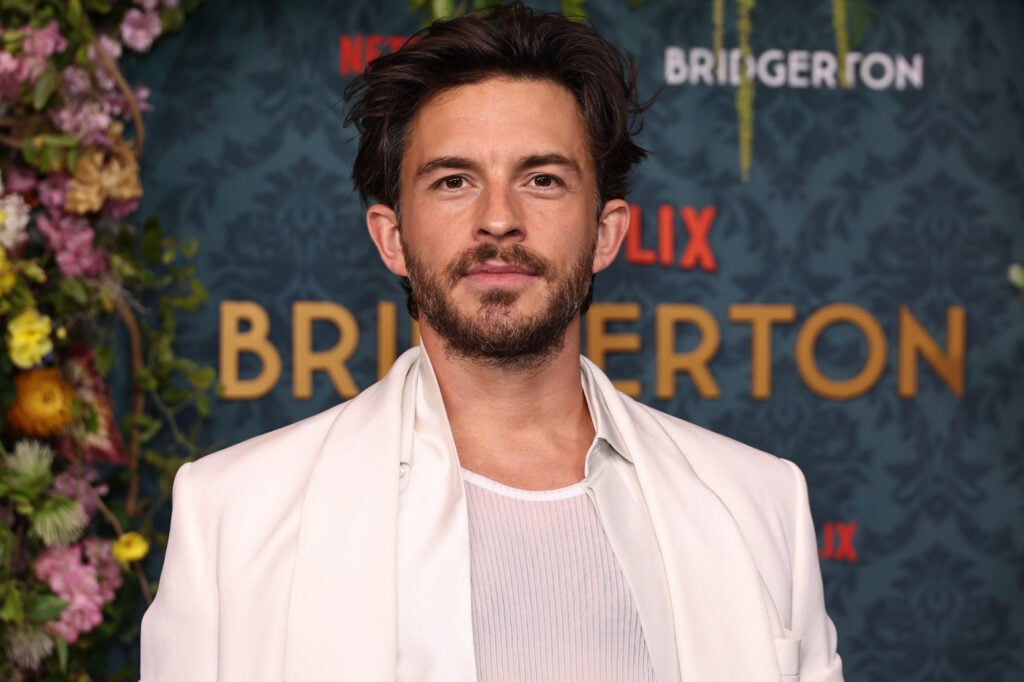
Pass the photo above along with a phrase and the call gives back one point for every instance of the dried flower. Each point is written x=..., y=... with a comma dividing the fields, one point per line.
x=131, y=546
x=101, y=175
x=28, y=338
x=42, y=404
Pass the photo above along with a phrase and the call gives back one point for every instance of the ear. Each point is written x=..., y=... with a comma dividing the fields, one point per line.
x=611, y=230
x=382, y=223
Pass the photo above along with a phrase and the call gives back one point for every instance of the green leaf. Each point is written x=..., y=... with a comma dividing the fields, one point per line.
x=152, y=241
x=45, y=607
x=23, y=6
x=202, y=378
x=49, y=159
x=203, y=405
x=60, y=140
x=72, y=159
x=30, y=150
x=144, y=380
x=75, y=290
x=104, y=358
x=171, y=20
x=62, y=652
x=13, y=610
x=82, y=55
x=101, y=6
x=44, y=87
x=75, y=13
x=442, y=9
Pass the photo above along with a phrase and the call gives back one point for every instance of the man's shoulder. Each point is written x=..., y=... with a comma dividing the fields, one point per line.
x=287, y=445
x=715, y=457
x=296, y=446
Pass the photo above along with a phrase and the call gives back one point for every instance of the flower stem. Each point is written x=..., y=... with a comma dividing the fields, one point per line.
x=131, y=325
x=111, y=66
x=147, y=591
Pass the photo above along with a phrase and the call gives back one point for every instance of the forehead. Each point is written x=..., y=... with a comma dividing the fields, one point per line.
x=497, y=119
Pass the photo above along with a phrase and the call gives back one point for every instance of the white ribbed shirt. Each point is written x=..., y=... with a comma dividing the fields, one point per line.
x=550, y=601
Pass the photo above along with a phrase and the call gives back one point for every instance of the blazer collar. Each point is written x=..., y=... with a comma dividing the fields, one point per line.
x=723, y=627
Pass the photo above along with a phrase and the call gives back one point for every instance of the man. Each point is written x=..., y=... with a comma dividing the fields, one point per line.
x=493, y=509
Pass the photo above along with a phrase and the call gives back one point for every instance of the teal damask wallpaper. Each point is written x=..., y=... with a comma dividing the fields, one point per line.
x=856, y=284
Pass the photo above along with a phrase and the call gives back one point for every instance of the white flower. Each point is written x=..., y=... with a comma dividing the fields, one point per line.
x=13, y=220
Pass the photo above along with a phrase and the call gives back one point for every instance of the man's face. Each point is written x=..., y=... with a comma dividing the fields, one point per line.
x=499, y=220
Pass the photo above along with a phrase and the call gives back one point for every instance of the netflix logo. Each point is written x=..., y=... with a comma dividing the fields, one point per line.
x=696, y=250
x=837, y=541
x=355, y=51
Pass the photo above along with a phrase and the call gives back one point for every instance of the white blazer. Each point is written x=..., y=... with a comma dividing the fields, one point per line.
x=282, y=557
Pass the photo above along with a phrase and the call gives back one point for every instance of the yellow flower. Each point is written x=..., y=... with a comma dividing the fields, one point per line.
x=42, y=404
x=7, y=276
x=28, y=338
x=131, y=546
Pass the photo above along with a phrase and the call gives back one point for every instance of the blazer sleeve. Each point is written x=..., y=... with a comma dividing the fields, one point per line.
x=819, y=659
x=179, y=630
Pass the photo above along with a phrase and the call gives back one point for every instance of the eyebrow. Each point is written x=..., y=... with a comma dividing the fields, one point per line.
x=532, y=161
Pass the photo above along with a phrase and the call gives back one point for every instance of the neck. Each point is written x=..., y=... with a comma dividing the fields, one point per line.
x=526, y=425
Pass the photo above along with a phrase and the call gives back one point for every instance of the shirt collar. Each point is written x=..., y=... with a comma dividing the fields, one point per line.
x=605, y=430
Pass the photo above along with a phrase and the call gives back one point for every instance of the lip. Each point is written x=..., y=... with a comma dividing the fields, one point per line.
x=498, y=273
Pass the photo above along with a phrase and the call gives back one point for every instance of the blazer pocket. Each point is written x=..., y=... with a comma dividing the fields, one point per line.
x=787, y=650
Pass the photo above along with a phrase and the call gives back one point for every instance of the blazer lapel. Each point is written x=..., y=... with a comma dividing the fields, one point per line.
x=342, y=616
x=723, y=630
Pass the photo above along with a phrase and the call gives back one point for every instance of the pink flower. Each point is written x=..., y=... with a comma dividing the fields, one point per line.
x=112, y=48
x=11, y=76
x=52, y=192
x=43, y=42
x=88, y=121
x=80, y=616
x=75, y=483
x=20, y=179
x=108, y=570
x=85, y=585
x=71, y=238
x=139, y=30
x=76, y=81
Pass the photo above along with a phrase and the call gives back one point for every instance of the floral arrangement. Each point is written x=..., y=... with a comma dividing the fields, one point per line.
x=1016, y=277
x=80, y=288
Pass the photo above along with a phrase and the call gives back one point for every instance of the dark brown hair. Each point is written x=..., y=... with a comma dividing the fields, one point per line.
x=510, y=40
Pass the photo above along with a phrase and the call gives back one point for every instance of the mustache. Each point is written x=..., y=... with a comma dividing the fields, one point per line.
x=513, y=254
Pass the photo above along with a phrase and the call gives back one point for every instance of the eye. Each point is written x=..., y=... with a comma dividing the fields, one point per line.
x=452, y=182
x=545, y=181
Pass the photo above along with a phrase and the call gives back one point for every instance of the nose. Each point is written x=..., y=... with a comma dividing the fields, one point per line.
x=499, y=217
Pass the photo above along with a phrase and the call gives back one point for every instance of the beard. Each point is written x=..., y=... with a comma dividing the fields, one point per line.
x=496, y=334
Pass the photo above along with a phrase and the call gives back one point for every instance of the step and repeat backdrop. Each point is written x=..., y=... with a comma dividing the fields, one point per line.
x=846, y=307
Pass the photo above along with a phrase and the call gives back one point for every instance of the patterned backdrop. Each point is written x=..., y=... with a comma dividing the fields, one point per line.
x=847, y=307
